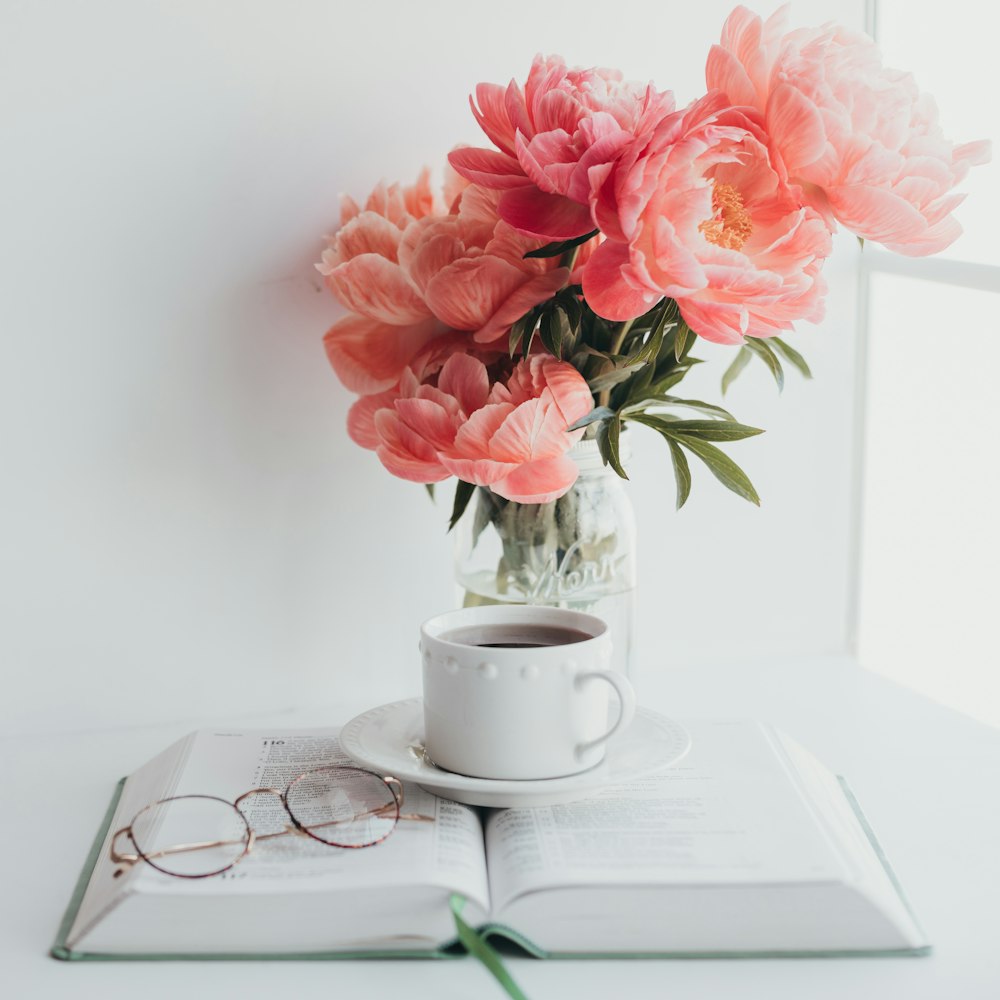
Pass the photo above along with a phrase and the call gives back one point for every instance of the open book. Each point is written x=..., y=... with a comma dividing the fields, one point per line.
x=748, y=846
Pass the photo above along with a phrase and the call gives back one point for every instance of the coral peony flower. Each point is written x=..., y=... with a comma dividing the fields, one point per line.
x=469, y=267
x=409, y=425
x=390, y=323
x=701, y=215
x=516, y=443
x=549, y=136
x=860, y=138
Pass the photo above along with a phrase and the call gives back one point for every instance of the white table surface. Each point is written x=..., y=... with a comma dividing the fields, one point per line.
x=928, y=779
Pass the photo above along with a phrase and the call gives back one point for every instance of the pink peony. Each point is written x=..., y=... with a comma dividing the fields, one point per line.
x=469, y=267
x=861, y=140
x=512, y=438
x=390, y=322
x=701, y=215
x=409, y=425
x=549, y=136
x=516, y=444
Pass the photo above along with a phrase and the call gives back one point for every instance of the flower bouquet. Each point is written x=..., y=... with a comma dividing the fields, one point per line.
x=557, y=287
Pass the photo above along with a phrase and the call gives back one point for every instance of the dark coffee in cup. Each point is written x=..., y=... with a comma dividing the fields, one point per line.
x=515, y=636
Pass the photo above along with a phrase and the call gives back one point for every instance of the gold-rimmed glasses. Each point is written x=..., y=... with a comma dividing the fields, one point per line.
x=197, y=836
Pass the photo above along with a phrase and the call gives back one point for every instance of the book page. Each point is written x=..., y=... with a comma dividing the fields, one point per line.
x=728, y=814
x=446, y=851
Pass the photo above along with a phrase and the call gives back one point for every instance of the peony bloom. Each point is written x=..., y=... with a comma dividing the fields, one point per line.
x=516, y=443
x=469, y=267
x=549, y=136
x=700, y=214
x=390, y=323
x=512, y=438
x=861, y=140
x=408, y=425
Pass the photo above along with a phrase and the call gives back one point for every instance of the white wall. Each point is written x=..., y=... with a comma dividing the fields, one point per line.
x=186, y=527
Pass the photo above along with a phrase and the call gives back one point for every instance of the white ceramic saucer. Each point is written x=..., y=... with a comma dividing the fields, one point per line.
x=390, y=739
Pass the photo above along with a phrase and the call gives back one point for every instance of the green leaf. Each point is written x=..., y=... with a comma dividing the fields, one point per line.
x=682, y=472
x=740, y=362
x=608, y=438
x=485, y=511
x=545, y=332
x=555, y=249
x=660, y=386
x=706, y=430
x=684, y=338
x=651, y=349
x=463, y=494
x=570, y=304
x=791, y=356
x=861, y=242
x=715, y=430
x=722, y=467
x=595, y=353
x=655, y=404
x=613, y=377
x=430, y=490
x=598, y=413
x=760, y=348
x=532, y=333
x=551, y=331
x=697, y=404
x=639, y=386
x=517, y=331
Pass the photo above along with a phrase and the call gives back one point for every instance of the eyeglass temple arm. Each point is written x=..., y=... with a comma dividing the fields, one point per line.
x=131, y=859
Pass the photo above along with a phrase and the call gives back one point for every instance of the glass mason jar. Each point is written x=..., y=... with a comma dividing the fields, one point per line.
x=577, y=552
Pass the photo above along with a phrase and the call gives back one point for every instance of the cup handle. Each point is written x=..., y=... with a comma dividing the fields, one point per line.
x=626, y=696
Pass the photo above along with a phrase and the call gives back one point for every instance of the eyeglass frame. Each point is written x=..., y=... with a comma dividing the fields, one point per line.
x=393, y=784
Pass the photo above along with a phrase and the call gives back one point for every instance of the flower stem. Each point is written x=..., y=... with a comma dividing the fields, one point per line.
x=622, y=334
x=605, y=397
x=569, y=258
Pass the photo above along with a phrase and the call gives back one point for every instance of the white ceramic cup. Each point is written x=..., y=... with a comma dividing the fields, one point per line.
x=519, y=712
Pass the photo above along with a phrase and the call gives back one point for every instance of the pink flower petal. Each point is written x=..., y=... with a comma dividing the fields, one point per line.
x=492, y=116
x=378, y=289
x=474, y=436
x=538, y=482
x=542, y=156
x=403, y=453
x=534, y=430
x=557, y=111
x=527, y=295
x=367, y=233
x=368, y=356
x=361, y=418
x=429, y=420
x=488, y=167
x=796, y=128
x=724, y=72
x=465, y=378
x=876, y=214
x=547, y=216
x=570, y=393
x=605, y=290
x=467, y=293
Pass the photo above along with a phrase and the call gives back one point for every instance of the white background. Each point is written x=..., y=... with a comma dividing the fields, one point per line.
x=189, y=537
x=187, y=529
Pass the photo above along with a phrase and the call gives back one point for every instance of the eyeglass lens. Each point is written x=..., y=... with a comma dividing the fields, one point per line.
x=343, y=807
x=191, y=836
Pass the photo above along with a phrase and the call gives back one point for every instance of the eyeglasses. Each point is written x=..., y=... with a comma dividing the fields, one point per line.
x=197, y=836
